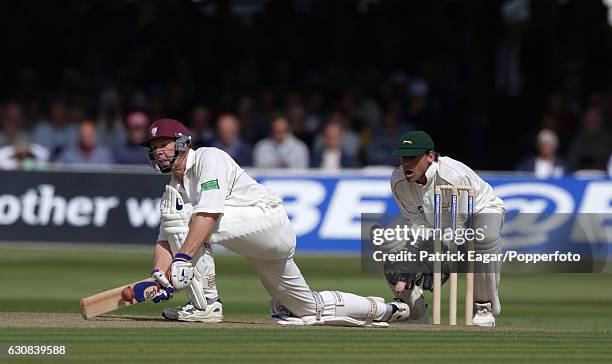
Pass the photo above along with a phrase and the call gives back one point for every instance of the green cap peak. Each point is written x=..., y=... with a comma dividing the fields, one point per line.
x=413, y=143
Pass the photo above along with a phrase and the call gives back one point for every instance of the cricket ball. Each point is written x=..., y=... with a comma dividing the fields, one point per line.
x=127, y=294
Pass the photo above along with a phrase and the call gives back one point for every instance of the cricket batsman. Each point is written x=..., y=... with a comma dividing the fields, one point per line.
x=412, y=185
x=211, y=200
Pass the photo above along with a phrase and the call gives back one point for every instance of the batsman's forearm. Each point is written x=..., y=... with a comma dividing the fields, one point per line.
x=200, y=229
x=162, y=256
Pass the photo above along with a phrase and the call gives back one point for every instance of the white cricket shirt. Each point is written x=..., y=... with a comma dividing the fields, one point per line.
x=415, y=201
x=213, y=180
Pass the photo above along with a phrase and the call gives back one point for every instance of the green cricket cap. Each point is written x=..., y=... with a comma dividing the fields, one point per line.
x=413, y=143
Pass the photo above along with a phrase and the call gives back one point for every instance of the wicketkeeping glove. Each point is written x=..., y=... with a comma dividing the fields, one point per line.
x=401, y=272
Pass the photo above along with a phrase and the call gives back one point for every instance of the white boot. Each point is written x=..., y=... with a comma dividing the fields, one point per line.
x=484, y=316
x=190, y=313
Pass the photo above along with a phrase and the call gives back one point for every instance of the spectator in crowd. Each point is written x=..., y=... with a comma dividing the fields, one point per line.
x=110, y=129
x=201, y=130
x=12, y=123
x=253, y=128
x=313, y=119
x=419, y=111
x=58, y=133
x=87, y=150
x=282, y=149
x=382, y=145
x=23, y=155
x=267, y=106
x=547, y=163
x=560, y=119
x=229, y=140
x=131, y=152
x=350, y=139
x=591, y=148
x=295, y=114
x=332, y=156
x=610, y=166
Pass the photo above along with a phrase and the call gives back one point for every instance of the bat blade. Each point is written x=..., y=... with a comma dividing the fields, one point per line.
x=108, y=301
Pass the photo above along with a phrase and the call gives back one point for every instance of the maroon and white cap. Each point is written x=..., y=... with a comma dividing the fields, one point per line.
x=165, y=128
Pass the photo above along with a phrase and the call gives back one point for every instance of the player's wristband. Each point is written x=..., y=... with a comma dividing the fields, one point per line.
x=182, y=257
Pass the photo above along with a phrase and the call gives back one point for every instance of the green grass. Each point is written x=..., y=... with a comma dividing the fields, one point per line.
x=354, y=345
x=578, y=307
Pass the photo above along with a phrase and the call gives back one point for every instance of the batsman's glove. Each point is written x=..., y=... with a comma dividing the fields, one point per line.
x=167, y=290
x=181, y=271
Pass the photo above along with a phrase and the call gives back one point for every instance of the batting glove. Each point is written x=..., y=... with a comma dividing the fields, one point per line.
x=164, y=294
x=181, y=271
x=160, y=277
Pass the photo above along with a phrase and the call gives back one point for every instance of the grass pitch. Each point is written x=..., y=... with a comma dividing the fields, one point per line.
x=552, y=317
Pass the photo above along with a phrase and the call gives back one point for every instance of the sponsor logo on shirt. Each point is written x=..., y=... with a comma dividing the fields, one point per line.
x=210, y=185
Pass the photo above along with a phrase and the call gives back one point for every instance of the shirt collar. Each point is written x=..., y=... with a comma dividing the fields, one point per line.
x=190, y=159
x=430, y=174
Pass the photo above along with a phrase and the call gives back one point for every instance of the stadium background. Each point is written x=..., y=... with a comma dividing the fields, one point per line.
x=483, y=77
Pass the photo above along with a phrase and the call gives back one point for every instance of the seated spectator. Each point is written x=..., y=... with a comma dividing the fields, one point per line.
x=380, y=148
x=87, y=150
x=591, y=148
x=228, y=139
x=547, y=163
x=58, y=133
x=282, y=149
x=23, y=155
x=253, y=127
x=350, y=139
x=131, y=152
x=110, y=129
x=201, y=132
x=12, y=124
x=333, y=157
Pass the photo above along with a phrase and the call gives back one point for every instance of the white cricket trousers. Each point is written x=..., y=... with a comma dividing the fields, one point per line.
x=264, y=235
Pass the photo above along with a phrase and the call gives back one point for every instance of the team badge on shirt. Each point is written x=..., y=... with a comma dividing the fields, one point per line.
x=213, y=184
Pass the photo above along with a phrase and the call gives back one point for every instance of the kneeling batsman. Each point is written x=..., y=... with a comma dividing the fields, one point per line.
x=182, y=274
x=332, y=308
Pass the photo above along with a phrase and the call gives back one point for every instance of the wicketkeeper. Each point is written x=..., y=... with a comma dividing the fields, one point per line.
x=413, y=185
x=211, y=200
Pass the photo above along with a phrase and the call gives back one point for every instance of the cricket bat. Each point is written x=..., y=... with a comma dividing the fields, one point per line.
x=119, y=297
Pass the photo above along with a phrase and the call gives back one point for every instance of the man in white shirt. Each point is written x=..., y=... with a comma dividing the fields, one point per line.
x=282, y=149
x=412, y=185
x=211, y=200
x=547, y=164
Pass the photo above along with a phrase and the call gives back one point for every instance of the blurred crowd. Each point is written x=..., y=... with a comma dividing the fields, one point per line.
x=295, y=131
x=571, y=137
x=500, y=85
x=264, y=131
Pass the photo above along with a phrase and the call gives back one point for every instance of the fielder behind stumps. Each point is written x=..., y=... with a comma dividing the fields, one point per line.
x=413, y=186
x=211, y=200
